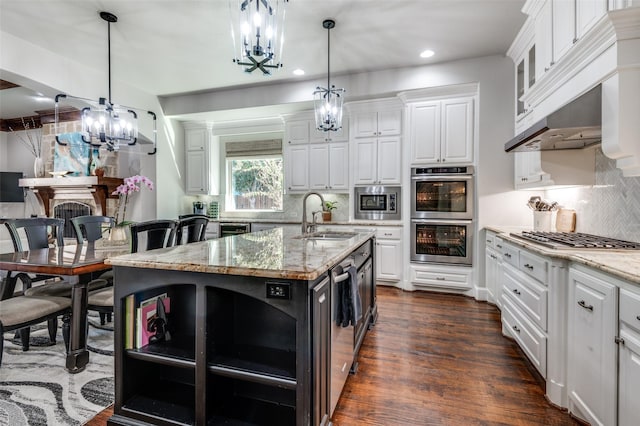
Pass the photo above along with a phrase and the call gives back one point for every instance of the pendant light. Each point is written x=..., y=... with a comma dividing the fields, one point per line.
x=259, y=28
x=105, y=123
x=328, y=101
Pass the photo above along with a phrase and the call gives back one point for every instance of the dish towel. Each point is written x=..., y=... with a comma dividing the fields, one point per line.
x=349, y=297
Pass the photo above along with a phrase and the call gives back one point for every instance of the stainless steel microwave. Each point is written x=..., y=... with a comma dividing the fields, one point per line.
x=377, y=202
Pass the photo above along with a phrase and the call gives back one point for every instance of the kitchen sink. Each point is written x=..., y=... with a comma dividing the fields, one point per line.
x=327, y=235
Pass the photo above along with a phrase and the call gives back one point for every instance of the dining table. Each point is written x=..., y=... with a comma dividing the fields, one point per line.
x=76, y=265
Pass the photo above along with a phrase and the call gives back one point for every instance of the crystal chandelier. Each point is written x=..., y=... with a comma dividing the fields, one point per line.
x=103, y=122
x=259, y=28
x=328, y=101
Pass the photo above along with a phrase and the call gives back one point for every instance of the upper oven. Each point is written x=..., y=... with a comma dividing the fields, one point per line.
x=377, y=202
x=442, y=192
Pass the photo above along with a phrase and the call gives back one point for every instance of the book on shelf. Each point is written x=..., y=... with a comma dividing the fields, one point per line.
x=145, y=314
x=134, y=329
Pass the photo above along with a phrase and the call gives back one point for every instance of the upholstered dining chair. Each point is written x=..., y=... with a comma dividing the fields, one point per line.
x=90, y=229
x=158, y=234
x=191, y=229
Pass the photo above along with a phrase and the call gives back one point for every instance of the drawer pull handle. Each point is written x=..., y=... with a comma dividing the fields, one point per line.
x=584, y=305
x=488, y=241
x=529, y=267
x=440, y=278
x=507, y=255
x=515, y=327
x=516, y=291
x=499, y=246
x=638, y=317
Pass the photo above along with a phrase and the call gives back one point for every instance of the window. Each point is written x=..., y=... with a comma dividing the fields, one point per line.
x=255, y=183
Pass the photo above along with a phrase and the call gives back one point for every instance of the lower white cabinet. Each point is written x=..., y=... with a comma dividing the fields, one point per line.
x=629, y=359
x=441, y=277
x=213, y=231
x=491, y=268
x=389, y=254
x=592, y=331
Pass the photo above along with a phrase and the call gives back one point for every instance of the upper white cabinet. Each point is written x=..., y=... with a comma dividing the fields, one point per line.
x=441, y=131
x=524, y=53
x=377, y=123
x=563, y=33
x=201, y=160
x=314, y=159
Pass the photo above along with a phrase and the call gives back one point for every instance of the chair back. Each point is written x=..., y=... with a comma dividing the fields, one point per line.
x=159, y=233
x=37, y=231
x=195, y=227
x=90, y=227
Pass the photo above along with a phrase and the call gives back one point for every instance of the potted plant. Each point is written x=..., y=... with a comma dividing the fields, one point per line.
x=326, y=213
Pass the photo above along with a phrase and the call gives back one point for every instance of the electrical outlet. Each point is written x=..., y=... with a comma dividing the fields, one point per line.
x=278, y=290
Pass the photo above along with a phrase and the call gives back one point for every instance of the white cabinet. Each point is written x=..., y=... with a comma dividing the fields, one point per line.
x=629, y=359
x=528, y=169
x=377, y=161
x=377, y=123
x=329, y=166
x=389, y=254
x=318, y=136
x=201, y=161
x=563, y=31
x=592, y=353
x=491, y=267
x=440, y=277
x=543, y=39
x=297, y=132
x=441, y=131
x=212, y=231
x=296, y=167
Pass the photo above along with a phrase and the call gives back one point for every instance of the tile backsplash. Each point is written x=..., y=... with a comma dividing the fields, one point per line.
x=610, y=208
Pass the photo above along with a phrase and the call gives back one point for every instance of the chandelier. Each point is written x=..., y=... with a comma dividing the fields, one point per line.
x=328, y=101
x=259, y=28
x=105, y=123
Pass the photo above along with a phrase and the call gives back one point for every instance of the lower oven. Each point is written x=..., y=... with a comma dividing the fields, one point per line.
x=442, y=241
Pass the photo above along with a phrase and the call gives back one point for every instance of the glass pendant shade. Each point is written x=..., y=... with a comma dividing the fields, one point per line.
x=257, y=28
x=328, y=108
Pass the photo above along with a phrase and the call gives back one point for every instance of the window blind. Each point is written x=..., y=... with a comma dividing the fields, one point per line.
x=251, y=148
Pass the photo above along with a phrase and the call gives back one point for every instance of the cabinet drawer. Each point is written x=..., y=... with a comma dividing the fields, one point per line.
x=528, y=337
x=534, y=266
x=630, y=308
x=490, y=239
x=509, y=254
x=389, y=233
x=440, y=278
x=527, y=294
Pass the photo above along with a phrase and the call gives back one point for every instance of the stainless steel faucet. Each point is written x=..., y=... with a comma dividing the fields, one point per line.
x=306, y=228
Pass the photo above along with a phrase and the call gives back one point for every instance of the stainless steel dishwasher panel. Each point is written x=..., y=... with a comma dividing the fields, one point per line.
x=341, y=338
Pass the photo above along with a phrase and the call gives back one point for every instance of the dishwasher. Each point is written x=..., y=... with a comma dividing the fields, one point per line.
x=234, y=228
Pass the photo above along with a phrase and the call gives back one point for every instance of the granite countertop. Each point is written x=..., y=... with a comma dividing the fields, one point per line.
x=275, y=253
x=299, y=223
x=624, y=264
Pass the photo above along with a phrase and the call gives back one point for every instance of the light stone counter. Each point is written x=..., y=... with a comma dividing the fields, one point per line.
x=275, y=253
x=624, y=264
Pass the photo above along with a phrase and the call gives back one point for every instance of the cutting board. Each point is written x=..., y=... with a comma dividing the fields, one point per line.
x=566, y=220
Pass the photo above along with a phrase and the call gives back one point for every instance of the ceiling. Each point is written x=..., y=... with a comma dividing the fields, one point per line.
x=168, y=47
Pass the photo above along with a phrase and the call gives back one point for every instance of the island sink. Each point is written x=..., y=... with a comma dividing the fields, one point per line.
x=327, y=235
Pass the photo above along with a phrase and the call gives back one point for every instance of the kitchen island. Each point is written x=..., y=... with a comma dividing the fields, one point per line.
x=252, y=321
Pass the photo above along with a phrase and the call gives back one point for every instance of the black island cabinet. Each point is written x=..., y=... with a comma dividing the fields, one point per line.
x=236, y=349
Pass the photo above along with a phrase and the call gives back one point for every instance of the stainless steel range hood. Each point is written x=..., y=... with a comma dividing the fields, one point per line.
x=575, y=125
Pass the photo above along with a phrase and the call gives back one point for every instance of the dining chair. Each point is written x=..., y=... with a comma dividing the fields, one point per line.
x=89, y=229
x=195, y=227
x=21, y=312
x=158, y=234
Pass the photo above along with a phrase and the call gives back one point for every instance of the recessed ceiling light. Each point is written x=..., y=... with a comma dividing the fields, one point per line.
x=298, y=71
x=427, y=53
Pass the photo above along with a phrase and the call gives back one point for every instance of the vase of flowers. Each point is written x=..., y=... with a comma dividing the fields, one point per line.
x=124, y=192
x=33, y=142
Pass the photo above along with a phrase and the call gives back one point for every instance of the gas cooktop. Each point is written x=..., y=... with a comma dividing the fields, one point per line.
x=576, y=241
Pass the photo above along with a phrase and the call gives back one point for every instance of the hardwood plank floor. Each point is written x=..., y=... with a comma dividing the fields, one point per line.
x=438, y=359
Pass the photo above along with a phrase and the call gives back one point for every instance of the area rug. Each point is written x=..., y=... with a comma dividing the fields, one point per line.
x=36, y=389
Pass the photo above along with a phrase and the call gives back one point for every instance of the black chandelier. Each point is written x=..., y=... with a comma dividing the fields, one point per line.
x=328, y=101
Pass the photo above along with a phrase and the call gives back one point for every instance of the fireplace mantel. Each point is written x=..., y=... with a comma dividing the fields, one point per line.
x=72, y=188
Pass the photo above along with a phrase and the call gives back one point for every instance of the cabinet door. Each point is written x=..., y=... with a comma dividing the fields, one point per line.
x=297, y=167
x=588, y=12
x=592, y=328
x=321, y=349
x=389, y=260
x=365, y=125
x=319, y=166
x=528, y=168
x=297, y=131
x=338, y=166
x=490, y=273
x=629, y=379
x=195, y=139
x=543, y=40
x=389, y=122
x=564, y=27
x=341, y=135
x=365, y=161
x=196, y=172
x=457, y=130
x=389, y=161
x=424, y=132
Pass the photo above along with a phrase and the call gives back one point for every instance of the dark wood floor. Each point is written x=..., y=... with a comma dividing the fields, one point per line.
x=437, y=359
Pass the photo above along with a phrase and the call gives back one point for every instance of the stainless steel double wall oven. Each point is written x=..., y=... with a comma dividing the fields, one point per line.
x=442, y=227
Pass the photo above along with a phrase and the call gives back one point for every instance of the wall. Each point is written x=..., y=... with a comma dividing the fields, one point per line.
x=610, y=208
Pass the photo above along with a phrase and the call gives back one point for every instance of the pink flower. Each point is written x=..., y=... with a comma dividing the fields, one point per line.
x=128, y=187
